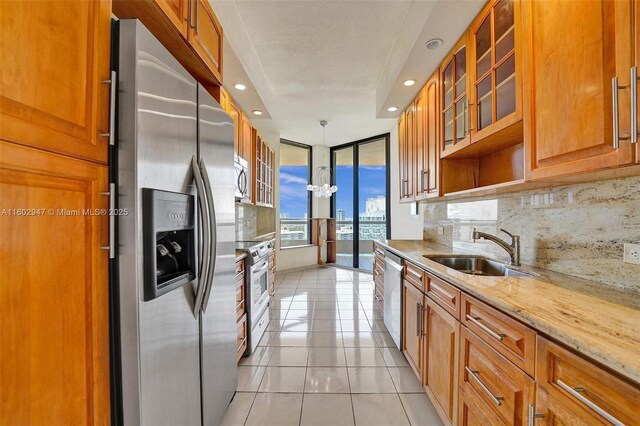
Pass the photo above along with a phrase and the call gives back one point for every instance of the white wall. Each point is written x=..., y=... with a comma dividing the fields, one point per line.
x=404, y=225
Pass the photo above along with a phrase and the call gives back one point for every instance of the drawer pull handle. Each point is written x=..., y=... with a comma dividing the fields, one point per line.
x=576, y=393
x=476, y=321
x=496, y=399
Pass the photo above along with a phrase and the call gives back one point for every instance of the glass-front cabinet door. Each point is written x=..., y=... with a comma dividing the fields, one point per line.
x=496, y=83
x=455, y=101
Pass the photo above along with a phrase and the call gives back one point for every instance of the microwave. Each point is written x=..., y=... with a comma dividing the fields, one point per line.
x=241, y=168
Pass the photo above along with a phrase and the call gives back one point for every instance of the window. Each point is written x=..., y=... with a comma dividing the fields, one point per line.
x=361, y=207
x=295, y=199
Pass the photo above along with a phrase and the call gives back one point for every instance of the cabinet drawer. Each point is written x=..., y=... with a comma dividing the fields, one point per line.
x=241, y=339
x=500, y=385
x=567, y=376
x=511, y=338
x=239, y=267
x=378, y=270
x=414, y=275
x=444, y=294
x=240, y=302
x=473, y=411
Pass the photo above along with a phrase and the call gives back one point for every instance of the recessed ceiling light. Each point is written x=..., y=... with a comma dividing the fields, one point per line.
x=257, y=112
x=392, y=109
x=240, y=86
x=434, y=43
x=409, y=83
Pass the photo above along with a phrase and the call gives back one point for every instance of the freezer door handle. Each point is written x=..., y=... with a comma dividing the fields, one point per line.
x=212, y=232
x=205, y=253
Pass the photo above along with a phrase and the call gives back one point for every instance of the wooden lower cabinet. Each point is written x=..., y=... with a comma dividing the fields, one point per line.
x=413, y=327
x=501, y=386
x=54, y=362
x=241, y=309
x=241, y=339
x=476, y=372
x=441, y=371
x=568, y=383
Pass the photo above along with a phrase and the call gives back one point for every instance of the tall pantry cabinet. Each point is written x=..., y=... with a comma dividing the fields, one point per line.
x=54, y=136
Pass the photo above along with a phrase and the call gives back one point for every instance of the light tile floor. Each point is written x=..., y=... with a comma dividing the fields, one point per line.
x=327, y=359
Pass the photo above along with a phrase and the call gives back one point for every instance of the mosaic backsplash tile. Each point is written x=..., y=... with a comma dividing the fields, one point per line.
x=577, y=230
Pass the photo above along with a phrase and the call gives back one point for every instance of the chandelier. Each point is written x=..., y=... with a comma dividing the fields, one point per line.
x=320, y=184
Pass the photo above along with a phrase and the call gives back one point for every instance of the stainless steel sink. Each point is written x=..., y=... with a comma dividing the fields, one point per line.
x=476, y=265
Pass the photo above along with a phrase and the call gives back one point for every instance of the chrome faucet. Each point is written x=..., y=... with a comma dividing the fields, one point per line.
x=513, y=249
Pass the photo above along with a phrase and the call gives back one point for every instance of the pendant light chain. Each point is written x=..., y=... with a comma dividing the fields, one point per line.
x=320, y=184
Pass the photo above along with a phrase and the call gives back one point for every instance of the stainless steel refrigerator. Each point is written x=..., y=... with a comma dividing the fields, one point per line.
x=176, y=182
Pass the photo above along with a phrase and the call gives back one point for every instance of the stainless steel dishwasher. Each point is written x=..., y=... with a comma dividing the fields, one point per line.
x=393, y=296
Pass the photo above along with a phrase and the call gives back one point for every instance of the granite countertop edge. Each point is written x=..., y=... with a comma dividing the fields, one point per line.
x=618, y=352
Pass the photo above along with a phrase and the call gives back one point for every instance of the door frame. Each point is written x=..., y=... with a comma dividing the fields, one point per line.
x=356, y=190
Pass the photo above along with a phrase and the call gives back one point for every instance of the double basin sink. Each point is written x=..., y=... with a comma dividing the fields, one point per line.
x=476, y=265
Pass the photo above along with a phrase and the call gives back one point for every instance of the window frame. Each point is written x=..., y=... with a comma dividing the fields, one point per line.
x=356, y=186
x=309, y=150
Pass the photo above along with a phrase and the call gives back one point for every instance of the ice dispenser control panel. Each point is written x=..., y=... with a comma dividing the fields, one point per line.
x=169, y=241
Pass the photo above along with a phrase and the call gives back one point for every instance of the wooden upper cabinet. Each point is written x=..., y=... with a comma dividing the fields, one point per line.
x=636, y=63
x=235, y=113
x=54, y=363
x=574, y=50
x=402, y=164
x=407, y=155
x=431, y=159
x=495, y=70
x=419, y=151
x=441, y=371
x=54, y=60
x=246, y=138
x=177, y=11
x=205, y=35
x=188, y=29
x=455, y=99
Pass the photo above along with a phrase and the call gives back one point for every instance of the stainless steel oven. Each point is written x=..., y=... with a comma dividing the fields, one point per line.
x=257, y=288
x=259, y=282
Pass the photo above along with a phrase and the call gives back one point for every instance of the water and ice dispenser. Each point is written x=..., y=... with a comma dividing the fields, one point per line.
x=169, y=241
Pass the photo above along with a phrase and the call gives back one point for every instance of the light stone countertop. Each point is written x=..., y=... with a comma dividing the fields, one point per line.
x=240, y=255
x=601, y=322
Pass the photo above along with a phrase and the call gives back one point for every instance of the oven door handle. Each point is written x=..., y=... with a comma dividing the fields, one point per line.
x=205, y=253
x=260, y=269
x=213, y=232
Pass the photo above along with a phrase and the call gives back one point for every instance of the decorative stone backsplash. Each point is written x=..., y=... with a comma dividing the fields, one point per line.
x=577, y=230
x=253, y=221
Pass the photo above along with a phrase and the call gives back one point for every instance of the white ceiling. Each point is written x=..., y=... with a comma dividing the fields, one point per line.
x=341, y=61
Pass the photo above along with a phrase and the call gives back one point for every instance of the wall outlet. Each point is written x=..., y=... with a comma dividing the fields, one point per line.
x=632, y=254
x=440, y=230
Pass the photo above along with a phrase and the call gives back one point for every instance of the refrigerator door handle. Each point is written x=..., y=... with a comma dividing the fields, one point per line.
x=213, y=233
x=205, y=253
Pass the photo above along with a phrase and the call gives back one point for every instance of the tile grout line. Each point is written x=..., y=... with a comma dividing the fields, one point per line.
x=344, y=352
